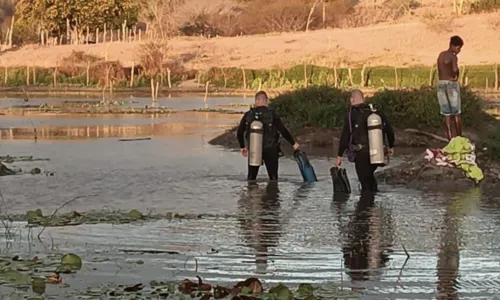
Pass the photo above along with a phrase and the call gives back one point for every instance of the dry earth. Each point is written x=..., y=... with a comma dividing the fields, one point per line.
x=404, y=44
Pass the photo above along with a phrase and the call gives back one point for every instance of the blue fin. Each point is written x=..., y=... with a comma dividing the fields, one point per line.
x=305, y=167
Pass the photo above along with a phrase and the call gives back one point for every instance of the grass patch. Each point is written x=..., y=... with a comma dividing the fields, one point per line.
x=369, y=77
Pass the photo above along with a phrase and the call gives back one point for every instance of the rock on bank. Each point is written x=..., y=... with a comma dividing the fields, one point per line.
x=417, y=173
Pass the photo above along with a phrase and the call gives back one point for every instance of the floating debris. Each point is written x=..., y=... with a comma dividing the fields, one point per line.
x=30, y=277
x=35, y=218
x=10, y=159
x=250, y=289
x=136, y=139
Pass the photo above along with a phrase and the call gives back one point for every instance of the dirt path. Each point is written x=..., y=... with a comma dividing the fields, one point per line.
x=404, y=44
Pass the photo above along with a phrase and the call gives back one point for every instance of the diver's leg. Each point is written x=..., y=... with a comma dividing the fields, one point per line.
x=252, y=172
x=373, y=180
x=271, y=159
x=363, y=169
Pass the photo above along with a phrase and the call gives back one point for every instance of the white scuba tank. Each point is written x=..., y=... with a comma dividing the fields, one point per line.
x=255, y=143
x=375, y=138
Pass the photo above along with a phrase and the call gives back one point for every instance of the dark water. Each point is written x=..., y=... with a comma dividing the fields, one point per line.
x=289, y=232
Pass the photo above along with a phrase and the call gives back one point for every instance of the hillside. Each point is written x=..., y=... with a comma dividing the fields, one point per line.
x=405, y=44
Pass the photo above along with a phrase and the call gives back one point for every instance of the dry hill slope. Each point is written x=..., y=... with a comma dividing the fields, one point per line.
x=390, y=44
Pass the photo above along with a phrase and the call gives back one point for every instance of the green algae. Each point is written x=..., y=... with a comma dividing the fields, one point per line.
x=35, y=218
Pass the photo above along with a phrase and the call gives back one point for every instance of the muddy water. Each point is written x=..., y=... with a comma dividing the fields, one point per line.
x=286, y=233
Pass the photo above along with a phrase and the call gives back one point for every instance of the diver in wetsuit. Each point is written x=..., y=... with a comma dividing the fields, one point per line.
x=356, y=138
x=272, y=127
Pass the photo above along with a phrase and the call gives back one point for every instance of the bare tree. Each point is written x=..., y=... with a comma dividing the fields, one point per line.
x=153, y=56
x=161, y=15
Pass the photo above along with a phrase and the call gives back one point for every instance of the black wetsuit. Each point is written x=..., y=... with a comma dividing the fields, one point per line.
x=364, y=169
x=272, y=129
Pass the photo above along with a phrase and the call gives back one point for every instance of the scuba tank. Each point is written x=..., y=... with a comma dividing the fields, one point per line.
x=255, y=143
x=375, y=138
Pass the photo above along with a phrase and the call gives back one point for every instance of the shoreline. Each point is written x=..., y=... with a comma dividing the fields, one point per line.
x=492, y=96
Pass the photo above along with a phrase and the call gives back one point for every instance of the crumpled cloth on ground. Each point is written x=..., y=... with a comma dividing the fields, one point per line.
x=459, y=153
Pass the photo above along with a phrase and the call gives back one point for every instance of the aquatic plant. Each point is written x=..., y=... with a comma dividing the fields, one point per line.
x=36, y=272
x=249, y=289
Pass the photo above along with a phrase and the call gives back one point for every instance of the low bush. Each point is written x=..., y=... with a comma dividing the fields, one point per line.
x=419, y=108
x=325, y=107
x=322, y=107
x=491, y=141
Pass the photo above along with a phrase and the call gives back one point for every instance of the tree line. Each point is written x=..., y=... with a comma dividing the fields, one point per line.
x=87, y=21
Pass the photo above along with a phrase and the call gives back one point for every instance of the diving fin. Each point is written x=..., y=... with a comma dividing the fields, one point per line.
x=340, y=180
x=305, y=167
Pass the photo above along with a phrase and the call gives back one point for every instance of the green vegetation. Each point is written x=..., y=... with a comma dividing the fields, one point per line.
x=45, y=78
x=325, y=107
x=369, y=77
x=481, y=6
x=80, y=70
x=57, y=17
x=37, y=272
x=35, y=218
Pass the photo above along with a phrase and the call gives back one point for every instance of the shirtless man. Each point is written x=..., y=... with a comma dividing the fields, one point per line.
x=448, y=90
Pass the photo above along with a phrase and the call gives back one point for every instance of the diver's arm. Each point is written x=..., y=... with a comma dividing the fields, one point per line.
x=283, y=130
x=344, y=137
x=240, y=132
x=389, y=131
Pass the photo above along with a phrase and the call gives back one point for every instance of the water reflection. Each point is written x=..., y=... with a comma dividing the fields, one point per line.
x=448, y=261
x=259, y=219
x=364, y=251
x=106, y=131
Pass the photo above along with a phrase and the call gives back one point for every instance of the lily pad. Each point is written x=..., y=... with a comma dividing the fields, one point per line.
x=70, y=262
x=135, y=214
x=14, y=277
x=38, y=285
x=305, y=290
x=281, y=292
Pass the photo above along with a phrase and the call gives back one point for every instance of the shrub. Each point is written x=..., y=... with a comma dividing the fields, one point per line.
x=325, y=107
x=491, y=142
x=321, y=106
x=484, y=6
x=418, y=108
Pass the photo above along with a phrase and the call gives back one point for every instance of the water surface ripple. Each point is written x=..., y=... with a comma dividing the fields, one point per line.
x=287, y=232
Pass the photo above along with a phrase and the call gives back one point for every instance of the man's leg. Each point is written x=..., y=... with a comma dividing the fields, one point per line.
x=252, y=172
x=455, y=105
x=444, y=105
x=271, y=159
